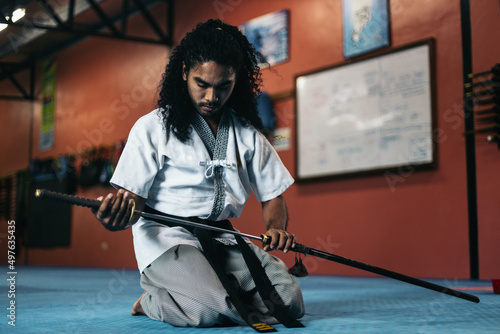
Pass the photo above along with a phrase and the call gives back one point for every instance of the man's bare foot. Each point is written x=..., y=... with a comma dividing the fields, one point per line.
x=137, y=307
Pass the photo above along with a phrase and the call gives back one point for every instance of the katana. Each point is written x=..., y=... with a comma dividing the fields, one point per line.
x=95, y=204
x=299, y=248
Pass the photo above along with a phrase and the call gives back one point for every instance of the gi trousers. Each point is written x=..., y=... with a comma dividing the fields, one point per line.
x=182, y=289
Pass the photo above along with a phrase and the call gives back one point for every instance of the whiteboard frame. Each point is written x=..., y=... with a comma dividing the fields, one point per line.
x=399, y=169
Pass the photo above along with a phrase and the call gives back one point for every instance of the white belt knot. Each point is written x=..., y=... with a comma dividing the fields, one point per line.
x=211, y=164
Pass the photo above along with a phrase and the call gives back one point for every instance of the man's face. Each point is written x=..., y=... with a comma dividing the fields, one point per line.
x=209, y=85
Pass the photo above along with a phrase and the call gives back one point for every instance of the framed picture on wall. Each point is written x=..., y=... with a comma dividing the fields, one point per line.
x=269, y=35
x=365, y=26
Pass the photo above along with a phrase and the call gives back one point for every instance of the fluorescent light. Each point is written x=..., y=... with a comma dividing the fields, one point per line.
x=18, y=14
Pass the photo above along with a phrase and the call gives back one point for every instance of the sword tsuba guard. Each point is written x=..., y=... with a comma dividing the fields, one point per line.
x=133, y=210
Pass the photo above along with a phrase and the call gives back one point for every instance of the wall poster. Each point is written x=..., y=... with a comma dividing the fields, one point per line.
x=48, y=103
x=365, y=26
x=269, y=35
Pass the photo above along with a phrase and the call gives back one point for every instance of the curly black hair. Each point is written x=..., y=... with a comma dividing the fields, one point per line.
x=226, y=45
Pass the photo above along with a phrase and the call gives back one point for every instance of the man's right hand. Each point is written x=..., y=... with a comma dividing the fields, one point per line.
x=115, y=212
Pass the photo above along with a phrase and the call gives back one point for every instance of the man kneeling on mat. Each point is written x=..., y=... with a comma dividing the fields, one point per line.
x=199, y=155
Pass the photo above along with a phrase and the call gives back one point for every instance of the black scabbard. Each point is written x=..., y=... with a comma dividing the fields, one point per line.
x=299, y=248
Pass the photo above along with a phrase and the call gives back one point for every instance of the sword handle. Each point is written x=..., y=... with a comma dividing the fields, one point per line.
x=75, y=200
x=298, y=247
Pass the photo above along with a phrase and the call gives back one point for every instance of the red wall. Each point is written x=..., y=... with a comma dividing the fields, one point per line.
x=418, y=227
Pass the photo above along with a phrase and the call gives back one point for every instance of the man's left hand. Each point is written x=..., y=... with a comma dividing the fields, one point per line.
x=280, y=239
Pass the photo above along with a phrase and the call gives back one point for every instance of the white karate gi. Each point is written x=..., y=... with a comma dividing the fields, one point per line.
x=157, y=166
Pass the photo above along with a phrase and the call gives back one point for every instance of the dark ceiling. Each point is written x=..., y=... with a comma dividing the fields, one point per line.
x=50, y=26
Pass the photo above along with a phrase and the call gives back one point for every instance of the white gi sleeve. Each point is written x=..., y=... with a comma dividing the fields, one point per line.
x=269, y=178
x=141, y=158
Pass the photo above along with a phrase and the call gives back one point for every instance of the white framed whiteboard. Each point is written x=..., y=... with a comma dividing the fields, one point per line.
x=368, y=116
